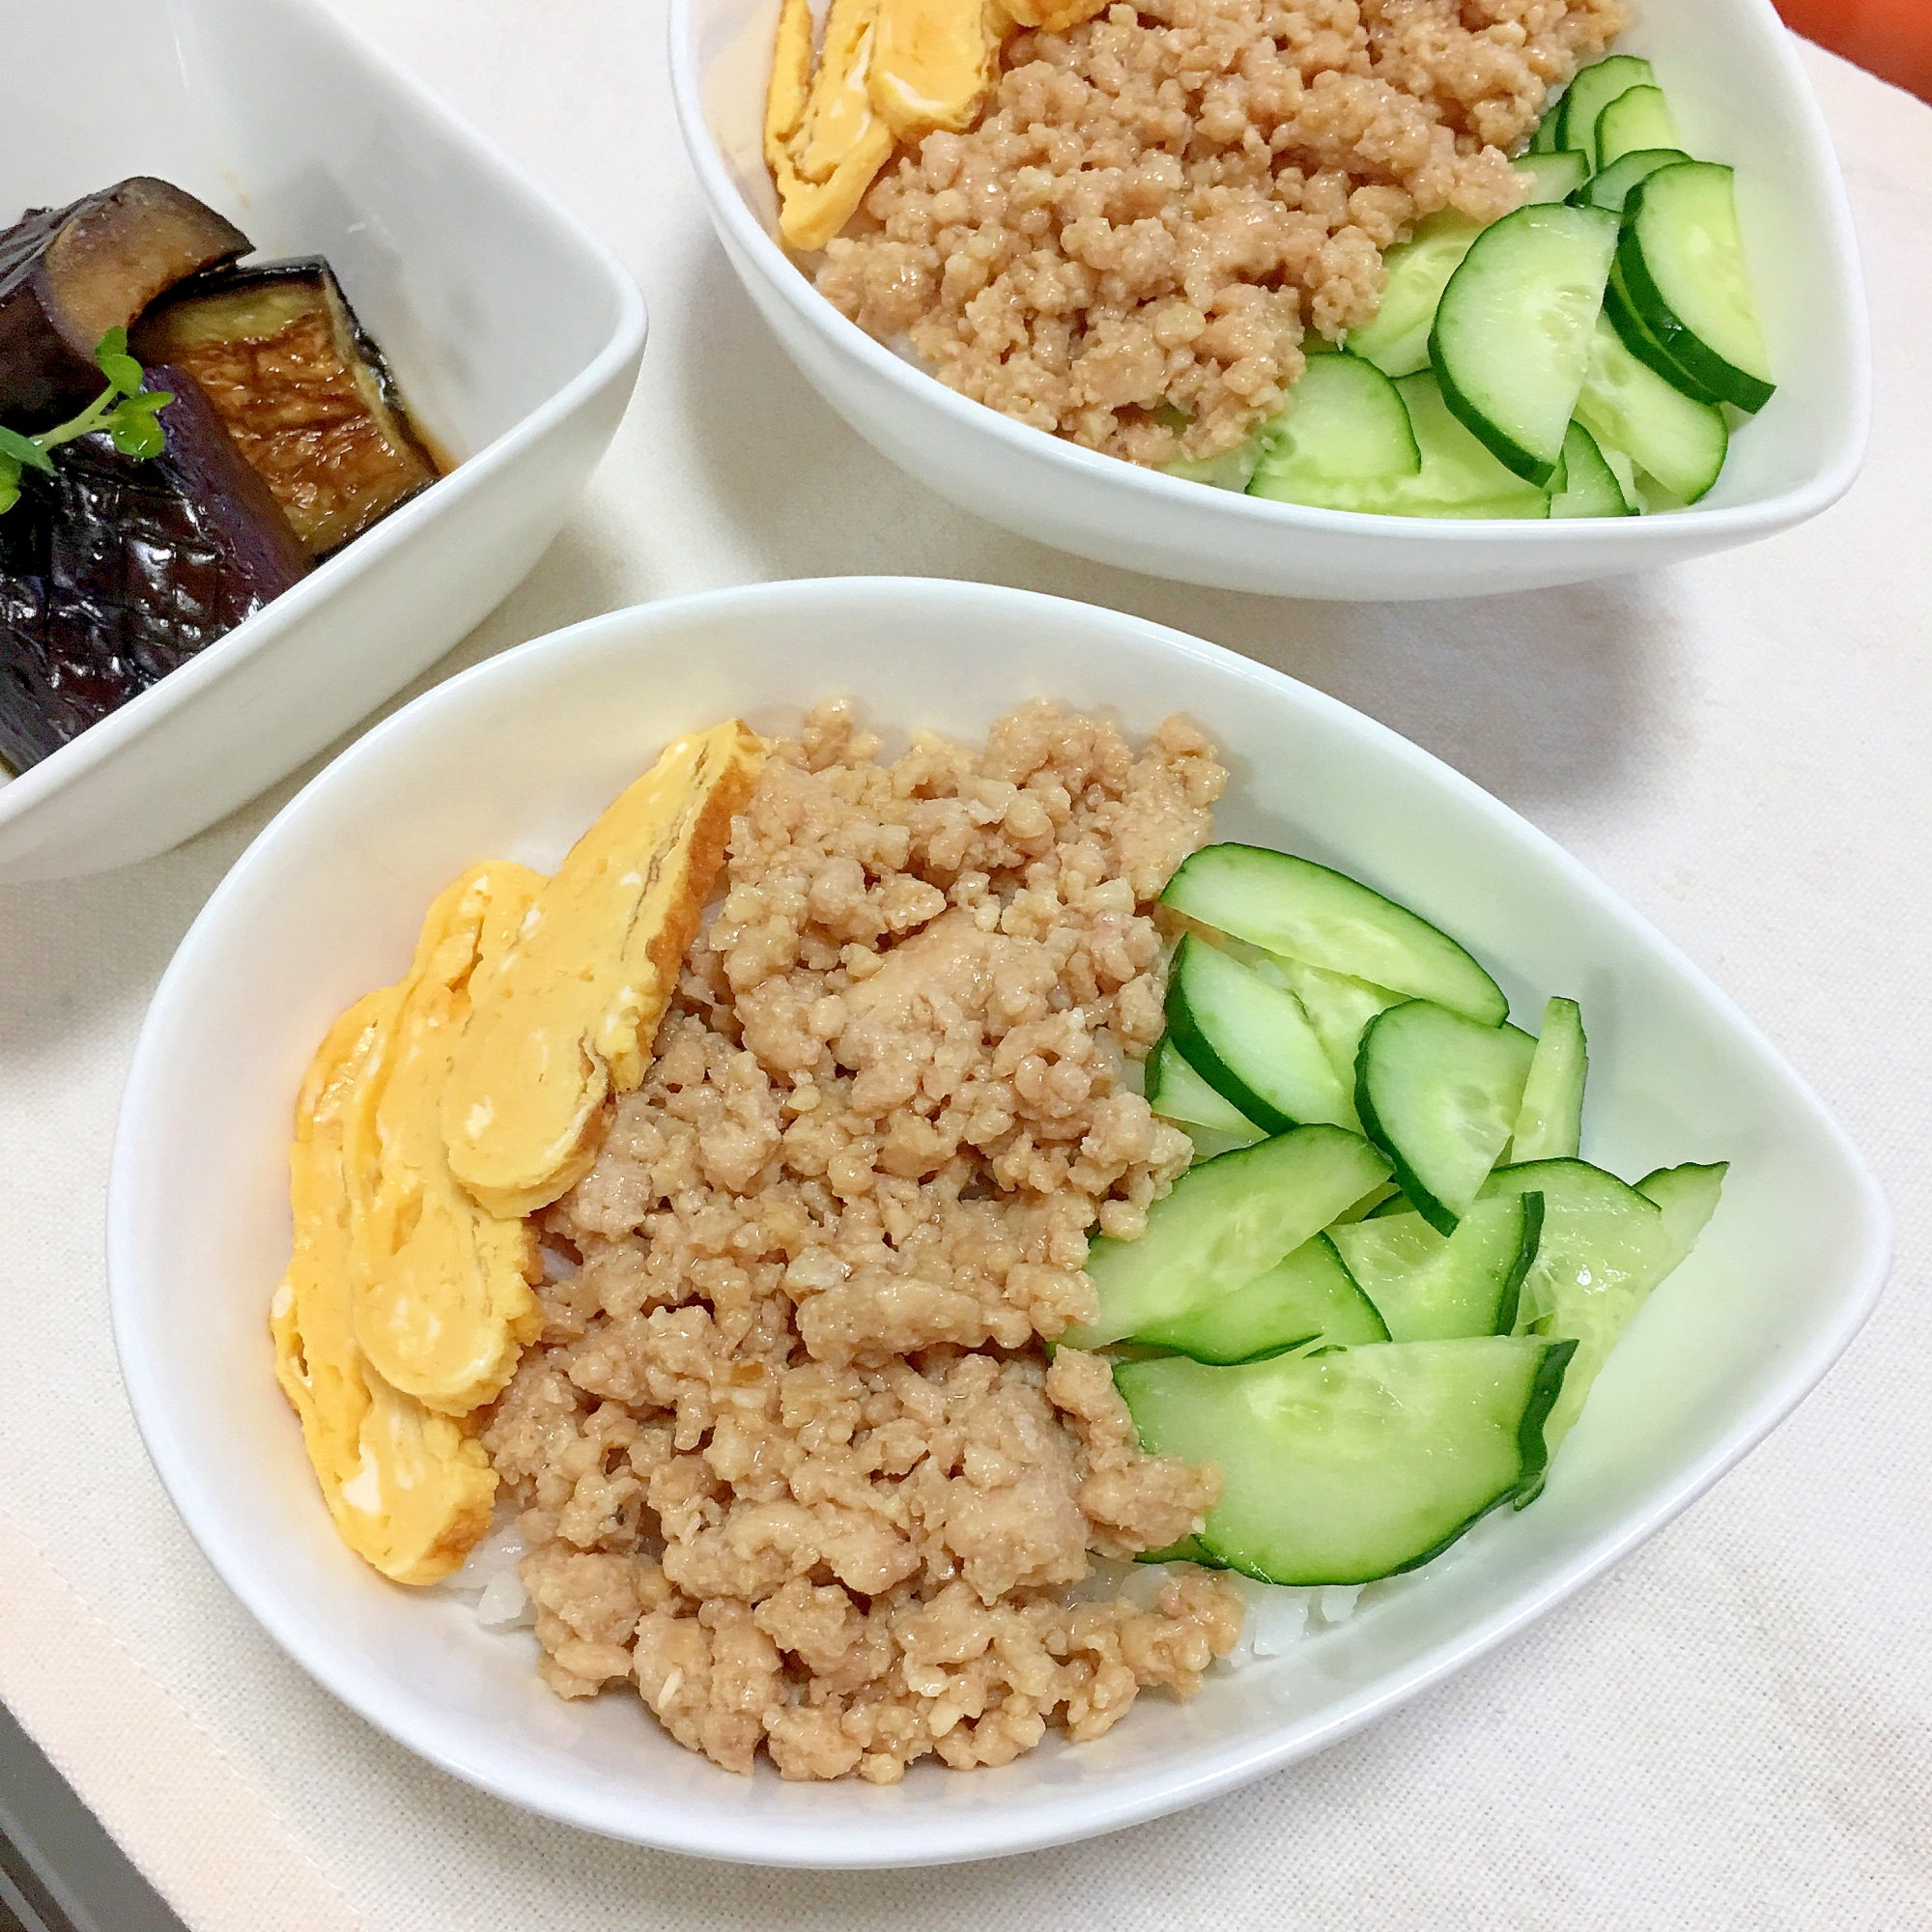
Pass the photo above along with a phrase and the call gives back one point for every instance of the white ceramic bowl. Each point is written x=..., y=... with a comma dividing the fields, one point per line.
x=1740, y=95
x=514, y=335
x=515, y=758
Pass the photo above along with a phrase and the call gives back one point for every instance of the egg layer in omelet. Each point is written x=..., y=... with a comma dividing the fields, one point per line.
x=888, y=72
x=409, y=1292
x=565, y=1019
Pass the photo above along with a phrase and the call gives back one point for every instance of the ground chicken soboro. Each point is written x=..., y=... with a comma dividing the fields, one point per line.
x=1129, y=244
x=790, y=1456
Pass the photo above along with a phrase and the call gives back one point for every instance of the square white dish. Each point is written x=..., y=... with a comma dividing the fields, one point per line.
x=514, y=335
x=1733, y=80
x=514, y=758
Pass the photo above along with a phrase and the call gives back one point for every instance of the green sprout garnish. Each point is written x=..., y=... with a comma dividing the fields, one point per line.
x=128, y=413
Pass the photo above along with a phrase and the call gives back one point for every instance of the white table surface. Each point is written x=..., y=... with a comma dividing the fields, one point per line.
x=1734, y=1729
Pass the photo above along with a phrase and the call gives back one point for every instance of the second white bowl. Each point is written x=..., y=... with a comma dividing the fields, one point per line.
x=1740, y=95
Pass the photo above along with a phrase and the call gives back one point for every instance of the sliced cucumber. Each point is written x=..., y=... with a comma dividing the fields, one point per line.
x=1683, y=262
x=1554, y=177
x=1251, y=1041
x=1549, y=1123
x=1603, y=1248
x=1678, y=441
x=1308, y=1297
x=1345, y=1467
x=1545, y=141
x=1639, y=117
x=1189, y=1550
x=1512, y=337
x=1345, y=431
x=1339, y=1007
x=1632, y=331
x=1591, y=92
x=1440, y=1093
x=1232, y=469
x=1431, y=1286
x=1397, y=340
x=1612, y=188
x=1686, y=1197
x=1590, y=487
x=1460, y=476
x=1299, y=910
x=1222, y=1224
x=1176, y=1093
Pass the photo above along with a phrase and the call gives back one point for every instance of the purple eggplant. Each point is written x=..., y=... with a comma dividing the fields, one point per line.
x=70, y=274
x=115, y=571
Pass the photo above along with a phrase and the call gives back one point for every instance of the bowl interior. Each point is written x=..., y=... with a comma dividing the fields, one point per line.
x=514, y=758
x=1739, y=95
x=484, y=304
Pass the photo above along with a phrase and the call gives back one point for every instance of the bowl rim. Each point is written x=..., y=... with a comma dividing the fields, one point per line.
x=743, y=232
x=73, y=764
x=419, y=1725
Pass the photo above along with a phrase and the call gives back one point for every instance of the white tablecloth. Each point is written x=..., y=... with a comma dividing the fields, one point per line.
x=1732, y=1730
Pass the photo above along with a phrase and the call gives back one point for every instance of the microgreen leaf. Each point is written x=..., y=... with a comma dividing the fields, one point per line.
x=23, y=449
x=130, y=417
x=137, y=436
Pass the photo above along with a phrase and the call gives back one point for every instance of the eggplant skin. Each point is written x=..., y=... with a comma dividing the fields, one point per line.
x=70, y=274
x=117, y=570
x=304, y=391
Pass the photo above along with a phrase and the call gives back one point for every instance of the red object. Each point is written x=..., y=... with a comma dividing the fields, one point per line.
x=1892, y=37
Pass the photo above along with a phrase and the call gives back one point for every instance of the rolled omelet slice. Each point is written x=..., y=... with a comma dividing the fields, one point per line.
x=442, y=1301
x=932, y=62
x=825, y=138
x=408, y=1491
x=565, y=1019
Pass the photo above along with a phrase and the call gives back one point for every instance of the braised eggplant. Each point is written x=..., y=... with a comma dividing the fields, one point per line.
x=70, y=274
x=114, y=570
x=303, y=389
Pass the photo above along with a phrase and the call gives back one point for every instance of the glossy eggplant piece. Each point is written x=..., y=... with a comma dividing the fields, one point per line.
x=70, y=274
x=303, y=390
x=116, y=570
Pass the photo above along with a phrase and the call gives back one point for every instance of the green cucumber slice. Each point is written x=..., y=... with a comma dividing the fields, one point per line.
x=1460, y=476
x=1339, y=1009
x=1603, y=1248
x=1683, y=262
x=1612, y=188
x=1432, y=1287
x=1670, y=435
x=1643, y=345
x=1308, y=1297
x=1346, y=429
x=1189, y=1550
x=1397, y=340
x=1554, y=177
x=1222, y=1224
x=1591, y=92
x=1544, y=140
x=1639, y=117
x=1232, y=469
x=1299, y=910
x=1358, y=1463
x=1686, y=1197
x=1549, y=1123
x=1512, y=337
x=1440, y=1093
x=1176, y=1093
x=1590, y=487
x=1251, y=1041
